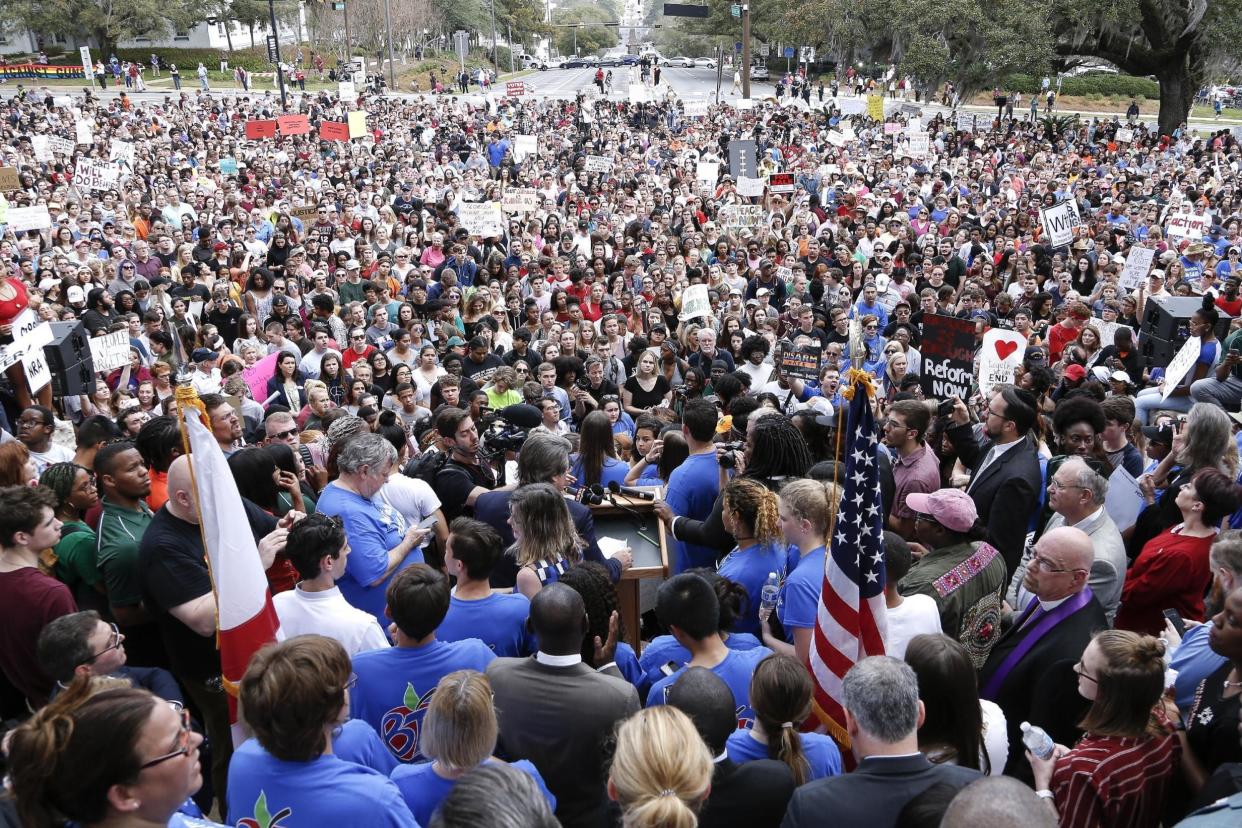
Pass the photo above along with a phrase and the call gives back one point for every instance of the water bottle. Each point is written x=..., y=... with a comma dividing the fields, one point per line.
x=1037, y=741
x=768, y=595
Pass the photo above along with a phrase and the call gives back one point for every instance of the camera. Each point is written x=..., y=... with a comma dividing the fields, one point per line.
x=499, y=435
x=728, y=460
x=945, y=408
x=679, y=390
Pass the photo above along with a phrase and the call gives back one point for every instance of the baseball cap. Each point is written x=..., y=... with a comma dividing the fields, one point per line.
x=1120, y=376
x=454, y=342
x=1156, y=434
x=1075, y=372
x=201, y=354
x=951, y=508
x=75, y=294
x=352, y=264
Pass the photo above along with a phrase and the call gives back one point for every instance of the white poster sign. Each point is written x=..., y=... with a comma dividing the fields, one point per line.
x=95, y=175
x=1180, y=366
x=966, y=122
x=999, y=358
x=695, y=303
x=524, y=146
x=111, y=351
x=1186, y=226
x=694, y=109
x=84, y=132
x=520, y=200
x=346, y=90
x=28, y=333
x=21, y=219
x=1124, y=500
x=1125, y=135
x=852, y=106
x=122, y=153
x=750, y=186
x=920, y=144
x=707, y=171
x=481, y=218
x=1060, y=222
x=1137, y=265
x=598, y=163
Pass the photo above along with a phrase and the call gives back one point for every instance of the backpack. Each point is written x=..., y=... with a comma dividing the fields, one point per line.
x=426, y=467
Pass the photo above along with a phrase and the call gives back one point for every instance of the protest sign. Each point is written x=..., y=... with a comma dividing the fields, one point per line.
x=781, y=182
x=111, y=351
x=228, y=166
x=694, y=109
x=891, y=127
x=707, y=171
x=293, y=124
x=1137, y=265
x=834, y=138
x=875, y=107
x=523, y=146
x=741, y=216
x=515, y=89
x=304, y=213
x=999, y=358
x=122, y=152
x=851, y=106
x=965, y=122
x=38, y=373
x=257, y=375
x=638, y=94
x=8, y=179
x=1124, y=500
x=1186, y=226
x=28, y=333
x=920, y=144
x=1125, y=135
x=695, y=303
x=260, y=129
x=799, y=361
x=743, y=158
x=1060, y=222
x=481, y=218
x=748, y=187
x=21, y=219
x=346, y=90
x=39, y=143
x=948, y=348
x=520, y=200
x=1180, y=366
x=334, y=131
x=95, y=175
x=598, y=163
x=83, y=132
x=357, y=124
x=744, y=103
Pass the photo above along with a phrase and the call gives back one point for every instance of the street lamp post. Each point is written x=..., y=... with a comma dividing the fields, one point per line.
x=392, y=80
x=280, y=72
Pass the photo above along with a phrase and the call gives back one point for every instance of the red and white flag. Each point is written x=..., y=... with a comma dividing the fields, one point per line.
x=245, y=616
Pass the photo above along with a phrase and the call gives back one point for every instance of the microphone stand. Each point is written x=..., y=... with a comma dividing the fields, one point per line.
x=633, y=513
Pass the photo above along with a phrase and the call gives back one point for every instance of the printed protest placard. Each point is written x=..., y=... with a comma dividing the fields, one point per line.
x=111, y=351
x=334, y=131
x=1060, y=222
x=21, y=219
x=800, y=361
x=598, y=163
x=695, y=303
x=260, y=129
x=781, y=182
x=948, y=348
x=515, y=89
x=999, y=358
x=520, y=200
x=481, y=218
x=293, y=124
x=1180, y=366
x=1138, y=263
x=875, y=107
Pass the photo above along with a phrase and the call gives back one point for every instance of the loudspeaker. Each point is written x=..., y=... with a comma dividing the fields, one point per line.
x=1168, y=318
x=1157, y=352
x=69, y=346
x=73, y=380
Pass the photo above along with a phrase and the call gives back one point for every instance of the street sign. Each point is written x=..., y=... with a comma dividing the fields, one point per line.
x=338, y=7
x=87, y=65
x=683, y=10
x=789, y=51
x=764, y=50
x=735, y=10
x=737, y=46
x=271, y=49
x=807, y=55
x=461, y=44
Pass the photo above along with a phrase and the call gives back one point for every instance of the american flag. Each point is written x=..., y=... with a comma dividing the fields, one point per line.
x=852, y=616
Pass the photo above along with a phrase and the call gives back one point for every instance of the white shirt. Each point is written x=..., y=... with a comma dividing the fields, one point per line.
x=917, y=614
x=327, y=613
x=413, y=499
x=995, y=736
x=206, y=383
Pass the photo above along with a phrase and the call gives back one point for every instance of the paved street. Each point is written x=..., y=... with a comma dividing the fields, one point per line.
x=686, y=83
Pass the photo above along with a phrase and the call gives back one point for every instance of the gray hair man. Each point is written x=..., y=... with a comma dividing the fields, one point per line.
x=1076, y=493
x=882, y=717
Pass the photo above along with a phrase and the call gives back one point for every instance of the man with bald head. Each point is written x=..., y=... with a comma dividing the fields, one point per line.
x=998, y=802
x=176, y=591
x=558, y=711
x=1030, y=671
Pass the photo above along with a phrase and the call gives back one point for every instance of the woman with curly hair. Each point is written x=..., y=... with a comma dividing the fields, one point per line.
x=750, y=515
x=74, y=488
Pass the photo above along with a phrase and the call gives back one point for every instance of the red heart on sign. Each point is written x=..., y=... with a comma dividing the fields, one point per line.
x=1004, y=349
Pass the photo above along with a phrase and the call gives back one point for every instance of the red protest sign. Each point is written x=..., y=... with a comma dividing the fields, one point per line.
x=293, y=124
x=334, y=131
x=260, y=129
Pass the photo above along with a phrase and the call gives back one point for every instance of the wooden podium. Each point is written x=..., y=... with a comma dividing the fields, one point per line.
x=643, y=532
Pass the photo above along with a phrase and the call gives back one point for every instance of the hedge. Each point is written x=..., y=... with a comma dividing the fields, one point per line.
x=1092, y=83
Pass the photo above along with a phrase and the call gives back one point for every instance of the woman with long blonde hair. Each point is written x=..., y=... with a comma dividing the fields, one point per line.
x=661, y=770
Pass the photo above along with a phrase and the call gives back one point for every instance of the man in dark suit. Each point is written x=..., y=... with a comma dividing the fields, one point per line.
x=750, y=795
x=558, y=712
x=1030, y=671
x=1005, y=479
x=882, y=716
x=544, y=459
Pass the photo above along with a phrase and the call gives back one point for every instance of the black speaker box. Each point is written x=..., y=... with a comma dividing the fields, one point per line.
x=1168, y=318
x=69, y=346
x=1157, y=352
x=73, y=380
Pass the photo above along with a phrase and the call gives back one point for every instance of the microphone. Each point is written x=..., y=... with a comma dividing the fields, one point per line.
x=617, y=488
x=585, y=495
x=634, y=513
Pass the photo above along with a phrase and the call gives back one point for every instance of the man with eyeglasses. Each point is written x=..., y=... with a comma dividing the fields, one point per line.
x=83, y=644
x=35, y=428
x=1029, y=672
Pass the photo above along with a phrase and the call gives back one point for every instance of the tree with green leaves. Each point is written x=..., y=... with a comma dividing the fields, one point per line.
x=105, y=22
x=580, y=24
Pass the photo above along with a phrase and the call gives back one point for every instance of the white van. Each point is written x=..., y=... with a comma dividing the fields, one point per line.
x=532, y=62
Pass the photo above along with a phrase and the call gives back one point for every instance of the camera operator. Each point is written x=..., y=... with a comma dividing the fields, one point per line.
x=774, y=451
x=587, y=393
x=544, y=459
x=465, y=476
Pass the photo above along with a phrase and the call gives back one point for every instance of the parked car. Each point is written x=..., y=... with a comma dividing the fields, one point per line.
x=576, y=63
x=629, y=60
x=759, y=72
x=704, y=62
x=683, y=62
x=532, y=62
x=609, y=60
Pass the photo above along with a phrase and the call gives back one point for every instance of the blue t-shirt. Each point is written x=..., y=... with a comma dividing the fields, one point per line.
x=821, y=752
x=799, y=601
x=372, y=530
x=613, y=469
x=1194, y=661
x=627, y=665
x=395, y=687
x=736, y=670
x=180, y=820
x=324, y=791
x=356, y=741
x=499, y=621
x=691, y=493
x=664, y=650
x=424, y=789
x=750, y=568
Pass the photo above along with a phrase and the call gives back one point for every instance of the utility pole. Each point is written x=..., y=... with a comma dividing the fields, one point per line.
x=719, y=70
x=392, y=78
x=492, y=4
x=510, y=47
x=280, y=71
x=745, y=50
x=348, y=40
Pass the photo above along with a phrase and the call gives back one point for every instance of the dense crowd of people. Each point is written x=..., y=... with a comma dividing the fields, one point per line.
x=421, y=395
